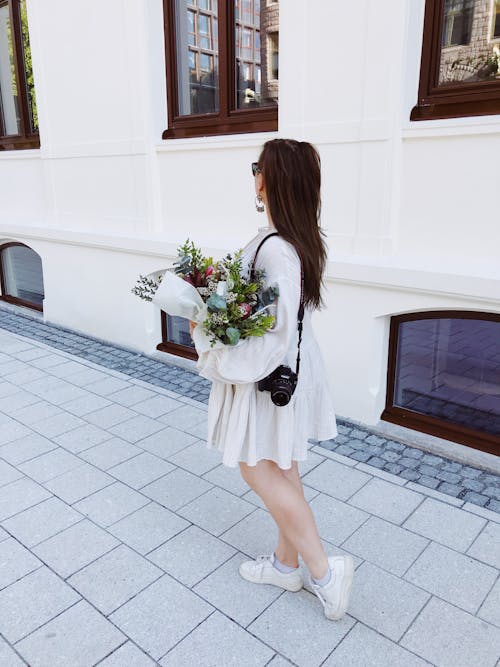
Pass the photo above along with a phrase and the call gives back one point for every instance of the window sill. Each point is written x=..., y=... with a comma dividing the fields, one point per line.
x=20, y=154
x=248, y=140
x=447, y=127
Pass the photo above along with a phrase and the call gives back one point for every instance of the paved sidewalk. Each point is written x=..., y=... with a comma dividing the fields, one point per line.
x=121, y=535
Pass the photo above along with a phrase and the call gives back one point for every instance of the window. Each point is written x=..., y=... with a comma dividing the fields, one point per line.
x=176, y=338
x=444, y=376
x=460, y=67
x=21, y=277
x=216, y=56
x=18, y=113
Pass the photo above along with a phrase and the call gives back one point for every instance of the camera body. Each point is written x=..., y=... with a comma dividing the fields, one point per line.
x=281, y=383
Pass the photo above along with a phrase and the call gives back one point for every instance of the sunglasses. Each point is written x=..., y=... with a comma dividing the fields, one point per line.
x=256, y=169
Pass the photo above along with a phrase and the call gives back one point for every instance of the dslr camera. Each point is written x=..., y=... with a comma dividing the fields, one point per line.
x=281, y=383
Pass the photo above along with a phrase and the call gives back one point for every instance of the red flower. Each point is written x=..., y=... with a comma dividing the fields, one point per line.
x=245, y=310
x=209, y=271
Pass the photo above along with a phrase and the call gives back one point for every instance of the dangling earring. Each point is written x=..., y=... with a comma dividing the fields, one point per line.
x=259, y=204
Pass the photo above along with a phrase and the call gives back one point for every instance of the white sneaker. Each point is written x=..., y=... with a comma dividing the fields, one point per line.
x=262, y=571
x=335, y=595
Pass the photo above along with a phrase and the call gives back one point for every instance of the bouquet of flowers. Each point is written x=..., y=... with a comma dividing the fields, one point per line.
x=213, y=294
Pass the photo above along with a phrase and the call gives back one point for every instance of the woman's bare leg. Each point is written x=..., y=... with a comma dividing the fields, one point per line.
x=288, y=507
x=285, y=551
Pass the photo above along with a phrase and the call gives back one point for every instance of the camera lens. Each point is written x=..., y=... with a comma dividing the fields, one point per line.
x=280, y=397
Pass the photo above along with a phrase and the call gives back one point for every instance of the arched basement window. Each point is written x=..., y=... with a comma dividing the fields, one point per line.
x=21, y=277
x=444, y=376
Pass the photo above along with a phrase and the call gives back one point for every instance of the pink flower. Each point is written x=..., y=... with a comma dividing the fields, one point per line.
x=245, y=310
x=209, y=271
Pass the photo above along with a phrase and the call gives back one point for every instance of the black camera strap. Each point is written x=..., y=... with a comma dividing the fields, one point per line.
x=300, y=313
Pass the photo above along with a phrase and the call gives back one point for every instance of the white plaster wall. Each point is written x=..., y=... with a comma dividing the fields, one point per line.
x=408, y=208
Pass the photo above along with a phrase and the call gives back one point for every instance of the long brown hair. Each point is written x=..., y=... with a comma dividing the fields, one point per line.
x=292, y=177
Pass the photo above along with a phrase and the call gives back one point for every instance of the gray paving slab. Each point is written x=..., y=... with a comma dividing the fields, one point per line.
x=12, y=430
x=50, y=465
x=131, y=395
x=486, y=546
x=218, y=641
x=110, y=504
x=57, y=424
x=186, y=414
x=83, y=406
x=110, y=416
x=109, y=453
x=490, y=609
x=166, y=442
x=227, y=478
x=386, y=500
x=75, y=547
x=157, y=406
x=141, y=470
x=177, y=488
x=450, y=637
x=26, y=448
x=35, y=412
x=78, y=637
x=160, y=616
x=363, y=647
x=78, y=483
x=216, y=510
x=114, y=578
x=336, y=520
x=255, y=534
x=42, y=521
x=82, y=438
x=196, y=458
x=127, y=655
x=347, y=480
x=15, y=562
x=32, y=601
x=8, y=656
x=206, y=554
x=8, y=473
x=19, y=495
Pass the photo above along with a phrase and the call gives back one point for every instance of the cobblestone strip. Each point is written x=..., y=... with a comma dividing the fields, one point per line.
x=358, y=443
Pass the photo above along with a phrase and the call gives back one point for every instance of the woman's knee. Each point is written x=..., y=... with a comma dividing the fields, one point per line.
x=259, y=473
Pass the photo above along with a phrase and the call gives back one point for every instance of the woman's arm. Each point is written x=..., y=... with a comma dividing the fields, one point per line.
x=255, y=357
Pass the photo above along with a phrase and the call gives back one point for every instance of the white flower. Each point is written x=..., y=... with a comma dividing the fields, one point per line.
x=222, y=288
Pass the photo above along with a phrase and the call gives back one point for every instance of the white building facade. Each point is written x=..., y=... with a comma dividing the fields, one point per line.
x=409, y=206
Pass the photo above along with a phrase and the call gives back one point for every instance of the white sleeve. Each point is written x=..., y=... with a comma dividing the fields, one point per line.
x=253, y=358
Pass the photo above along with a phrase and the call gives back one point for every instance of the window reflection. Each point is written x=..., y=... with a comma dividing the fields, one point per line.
x=469, y=52
x=9, y=101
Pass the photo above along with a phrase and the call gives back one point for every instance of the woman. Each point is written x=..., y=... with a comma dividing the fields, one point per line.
x=264, y=439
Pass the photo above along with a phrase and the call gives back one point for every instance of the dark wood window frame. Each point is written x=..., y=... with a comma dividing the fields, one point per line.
x=425, y=423
x=26, y=138
x=173, y=348
x=6, y=297
x=452, y=100
x=228, y=120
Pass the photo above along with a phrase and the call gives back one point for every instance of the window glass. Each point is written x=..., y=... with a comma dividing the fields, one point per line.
x=9, y=107
x=467, y=52
x=256, y=50
x=178, y=331
x=22, y=274
x=450, y=369
x=496, y=20
x=30, y=83
x=197, y=73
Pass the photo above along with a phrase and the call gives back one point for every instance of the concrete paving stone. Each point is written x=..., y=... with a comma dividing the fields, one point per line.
x=355, y=434
x=319, y=449
x=445, y=524
x=82, y=406
x=206, y=553
x=176, y=489
x=363, y=647
x=490, y=609
x=111, y=504
x=295, y=626
x=336, y=479
x=382, y=543
x=313, y=460
x=431, y=482
x=386, y=500
x=443, y=497
x=47, y=361
x=472, y=484
x=393, y=468
x=7, y=388
x=110, y=416
x=30, y=355
x=199, y=430
x=26, y=448
x=482, y=511
x=187, y=414
x=42, y=386
x=107, y=386
x=336, y=520
x=19, y=495
x=196, y=458
x=452, y=576
x=216, y=511
x=114, y=578
x=239, y=599
x=279, y=661
x=35, y=412
x=166, y=442
x=42, y=521
x=494, y=505
x=8, y=473
x=450, y=637
x=473, y=497
x=227, y=478
x=131, y=395
x=148, y=527
x=218, y=641
x=78, y=483
x=141, y=470
x=156, y=406
x=450, y=489
x=15, y=562
x=256, y=534
x=160, y=616
x=85, y=376
x=32, y=601
x=9, y=404
x=110, y=453
x=75, y=547
x=137, y=428
x=13, y=366
x=49, y=465
x=8, y=656
x=82, y=438
x=127, y=655
x=24, y=376
x=67, y=368
x=472, y=473
x=384, y=602
x=345, y=450
x=486, y=547
x=78, y=637
x=381, y=474
x=65, y=393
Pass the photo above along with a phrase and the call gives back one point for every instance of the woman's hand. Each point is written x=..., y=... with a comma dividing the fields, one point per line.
x=191, y=327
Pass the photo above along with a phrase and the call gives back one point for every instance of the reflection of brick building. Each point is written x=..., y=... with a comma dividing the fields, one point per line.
x=470, y=34
x=269, y=49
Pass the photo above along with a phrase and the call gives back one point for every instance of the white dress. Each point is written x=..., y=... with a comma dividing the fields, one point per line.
x=243, y=423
